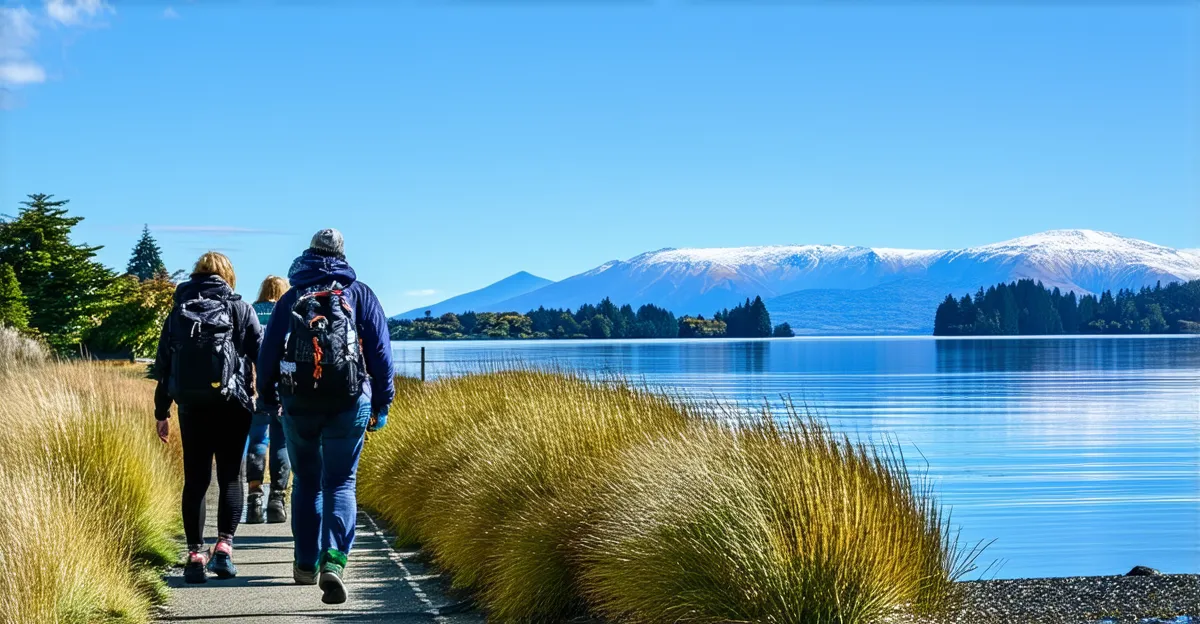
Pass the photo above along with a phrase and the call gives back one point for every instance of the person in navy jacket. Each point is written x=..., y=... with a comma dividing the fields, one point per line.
x=324, y=447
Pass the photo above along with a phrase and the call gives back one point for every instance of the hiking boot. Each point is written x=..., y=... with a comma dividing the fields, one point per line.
x=193, y=570
x=304, y=576
x=221, y=562
x=333, y=566
x=254, y=508
x=277, y=506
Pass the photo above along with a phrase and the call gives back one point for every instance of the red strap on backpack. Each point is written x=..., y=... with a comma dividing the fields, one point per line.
x=316, y=360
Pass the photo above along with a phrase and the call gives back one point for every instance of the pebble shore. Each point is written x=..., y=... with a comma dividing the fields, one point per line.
x=1169, y=598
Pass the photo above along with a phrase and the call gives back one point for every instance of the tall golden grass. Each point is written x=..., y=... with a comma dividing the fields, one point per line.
x=551, y=495
x=90, y=507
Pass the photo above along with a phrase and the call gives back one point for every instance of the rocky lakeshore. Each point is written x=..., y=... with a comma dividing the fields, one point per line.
x=1149, y=599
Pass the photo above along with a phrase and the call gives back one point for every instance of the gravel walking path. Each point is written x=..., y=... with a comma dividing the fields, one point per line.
x=385, y=585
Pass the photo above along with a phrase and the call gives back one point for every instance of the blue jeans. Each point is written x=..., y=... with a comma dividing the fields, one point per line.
x=324, y=450
x=263, y=439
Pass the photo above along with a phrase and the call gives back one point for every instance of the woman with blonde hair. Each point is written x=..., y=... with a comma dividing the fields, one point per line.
x=266, y=434
x=208, y=345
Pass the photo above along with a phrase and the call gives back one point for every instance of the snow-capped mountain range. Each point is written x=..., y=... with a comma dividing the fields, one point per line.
x=803, y=284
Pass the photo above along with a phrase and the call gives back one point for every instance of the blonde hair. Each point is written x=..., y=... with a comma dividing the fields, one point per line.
x=216, y=263
x=272, y=289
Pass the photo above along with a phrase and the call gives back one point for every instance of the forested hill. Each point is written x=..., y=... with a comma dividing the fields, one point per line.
x=1027, y=308
x=603, y=320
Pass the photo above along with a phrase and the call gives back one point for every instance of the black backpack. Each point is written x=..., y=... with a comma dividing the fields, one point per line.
x=205, y=367
x=322, y=368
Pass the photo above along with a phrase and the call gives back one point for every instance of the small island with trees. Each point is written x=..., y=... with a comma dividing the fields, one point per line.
x=1027, y=308
x=604, y=320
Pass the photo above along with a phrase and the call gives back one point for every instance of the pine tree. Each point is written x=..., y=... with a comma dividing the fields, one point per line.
x=760, y=318
x=1068, y=312
x=966, y=316
x=63, y=285
x=1010, y=313
x=945, y=320
x=146, y=261
x=1087, y=314
x=13, y=311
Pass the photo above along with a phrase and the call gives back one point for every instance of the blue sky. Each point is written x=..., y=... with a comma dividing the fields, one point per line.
x=455, y=144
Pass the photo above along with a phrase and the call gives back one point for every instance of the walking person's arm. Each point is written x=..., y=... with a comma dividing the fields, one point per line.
x=251, y=343
x=377, y=352
x=270, y=351
x=162, y=372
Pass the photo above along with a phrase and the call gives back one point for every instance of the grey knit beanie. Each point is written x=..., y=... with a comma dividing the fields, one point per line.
x=328, y=242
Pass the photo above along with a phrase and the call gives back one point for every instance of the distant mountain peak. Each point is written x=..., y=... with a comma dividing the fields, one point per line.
x=514, y=285
x=1055, y=240
x=602, y=268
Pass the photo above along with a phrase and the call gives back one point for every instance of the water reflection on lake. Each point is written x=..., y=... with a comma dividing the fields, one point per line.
x=1079, y=456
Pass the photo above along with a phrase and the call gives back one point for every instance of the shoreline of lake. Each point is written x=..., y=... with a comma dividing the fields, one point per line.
x=801, y=337
x=1161, y=599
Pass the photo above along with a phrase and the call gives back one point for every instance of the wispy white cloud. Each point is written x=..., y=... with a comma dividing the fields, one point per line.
x=425, y=292
x=170, y=13
x=215, y=230
x=17, y=34
x=75, y=12
x=19, y=30
x=21, y=72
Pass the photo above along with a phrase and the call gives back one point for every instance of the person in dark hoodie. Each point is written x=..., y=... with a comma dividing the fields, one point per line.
x=206, y=352
x=327, y=356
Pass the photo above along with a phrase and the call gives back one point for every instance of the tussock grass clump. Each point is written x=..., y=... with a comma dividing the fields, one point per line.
x=18, y=351
x=477, y=463
x=763, y=523
x=551, y=494
x=91, y=496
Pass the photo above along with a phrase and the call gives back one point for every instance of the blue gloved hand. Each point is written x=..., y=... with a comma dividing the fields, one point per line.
x=378, y=420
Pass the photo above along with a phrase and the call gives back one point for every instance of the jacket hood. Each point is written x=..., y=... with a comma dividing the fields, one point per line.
x=202, y=286
x=312, y=268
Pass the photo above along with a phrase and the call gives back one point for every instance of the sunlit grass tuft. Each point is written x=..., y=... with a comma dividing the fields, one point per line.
x=551, y=494
x=18, y=351
x=91, y=495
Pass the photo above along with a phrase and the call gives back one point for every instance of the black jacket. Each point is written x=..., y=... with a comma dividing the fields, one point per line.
x=246, y=339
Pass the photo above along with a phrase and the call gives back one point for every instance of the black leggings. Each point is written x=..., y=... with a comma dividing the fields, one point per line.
x=209, y=432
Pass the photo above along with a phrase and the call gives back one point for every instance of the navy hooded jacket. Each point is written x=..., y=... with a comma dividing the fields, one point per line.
x=311, y=270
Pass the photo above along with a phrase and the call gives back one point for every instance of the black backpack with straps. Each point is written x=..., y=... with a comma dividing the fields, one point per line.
x=322, y=368
x=205, y=366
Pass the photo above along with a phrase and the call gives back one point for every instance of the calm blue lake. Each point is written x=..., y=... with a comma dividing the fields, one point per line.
x=1079, y=456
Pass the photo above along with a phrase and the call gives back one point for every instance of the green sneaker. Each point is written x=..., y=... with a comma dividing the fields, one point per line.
x=333, y=566
x=305, y=575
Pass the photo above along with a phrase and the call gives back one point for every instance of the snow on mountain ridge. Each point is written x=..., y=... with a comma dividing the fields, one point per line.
x=1086, y=260
x=774, y=255
x=1073, y=241
x=1052, y=252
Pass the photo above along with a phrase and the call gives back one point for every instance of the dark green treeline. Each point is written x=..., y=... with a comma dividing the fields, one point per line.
x=600, y=321
x=1028, y=308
